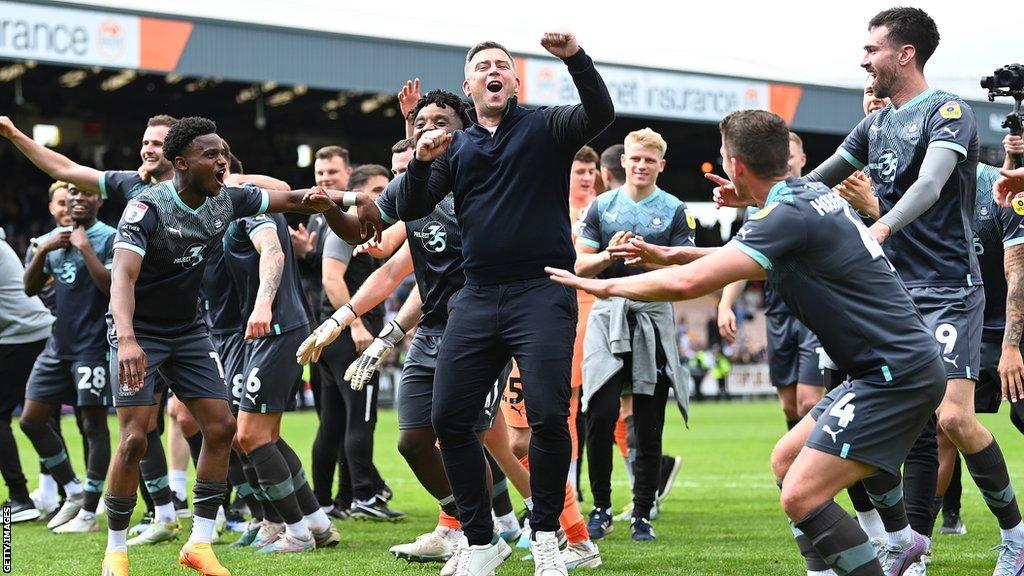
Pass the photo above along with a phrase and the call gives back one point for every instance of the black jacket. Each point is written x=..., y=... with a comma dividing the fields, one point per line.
x=512, y=188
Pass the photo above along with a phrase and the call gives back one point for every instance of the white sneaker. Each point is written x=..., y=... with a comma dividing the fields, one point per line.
x=42, y=503
x=918, y=568
x=481, y=560
x=435, y=546
x=453, y=562
x=78, y=524
x=582, y=555
x=67, y=512
x=547, y=559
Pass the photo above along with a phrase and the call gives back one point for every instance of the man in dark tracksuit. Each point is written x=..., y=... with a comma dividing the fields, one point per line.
x=510, y=174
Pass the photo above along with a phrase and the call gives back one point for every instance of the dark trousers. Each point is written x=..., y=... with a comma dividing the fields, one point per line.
x=648, y=425
x=16, y=362
x=533, y=321
x=348, y=419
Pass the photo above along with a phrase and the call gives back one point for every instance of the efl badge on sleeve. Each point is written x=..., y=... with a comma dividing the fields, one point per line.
x=1018, y=203
x=135, y=212
x=951, y=110
x=690, y=220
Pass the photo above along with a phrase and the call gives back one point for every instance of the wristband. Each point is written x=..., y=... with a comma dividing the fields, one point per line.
x=393, y=333
x=350, y=198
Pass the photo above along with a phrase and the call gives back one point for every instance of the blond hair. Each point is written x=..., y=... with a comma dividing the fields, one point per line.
x=648, y=139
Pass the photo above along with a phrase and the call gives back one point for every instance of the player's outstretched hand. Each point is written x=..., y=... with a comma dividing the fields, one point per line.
x=1011, y=373
x=303, y=241
x=637, y=252
x=131, y=366
x=408, y=96
x=1011, y=183
x=318, y=199
x=589, y=285
x=364, y=367
x=724, y=193
x=7, y=128
x=370, y=224
x=432, y=144
x=560, y=43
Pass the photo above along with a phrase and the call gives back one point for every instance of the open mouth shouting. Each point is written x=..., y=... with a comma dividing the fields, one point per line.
x=220, y=175
x=494, y=86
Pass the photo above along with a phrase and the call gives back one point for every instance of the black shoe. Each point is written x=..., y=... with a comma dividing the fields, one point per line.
x=22, y=509
x=376, y=510
x=952, y=524
x=670, y=466
x=642, y=530
x=180, y=506
x=386, y=493
x=339, y=513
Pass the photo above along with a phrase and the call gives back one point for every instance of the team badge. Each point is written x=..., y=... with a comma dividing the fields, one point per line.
x=690, y=220
x=656, y=221
x=135, y=212
x=1018, y=204
x=951, y=110
x=764, y=211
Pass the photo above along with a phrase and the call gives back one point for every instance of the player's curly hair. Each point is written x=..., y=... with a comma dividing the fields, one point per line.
x=444, y=99
x=184, y=131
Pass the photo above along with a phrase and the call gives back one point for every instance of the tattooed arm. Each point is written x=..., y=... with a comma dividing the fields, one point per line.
x=271, y=267
x=1011, y=366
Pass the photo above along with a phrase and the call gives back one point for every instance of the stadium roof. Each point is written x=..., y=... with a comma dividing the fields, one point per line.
x=694, y=63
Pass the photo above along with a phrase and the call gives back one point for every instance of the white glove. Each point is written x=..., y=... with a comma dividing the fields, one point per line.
x=312, y=346
x=360, y=371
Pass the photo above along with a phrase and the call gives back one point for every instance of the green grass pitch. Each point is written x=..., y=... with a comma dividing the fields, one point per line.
x=722, y=518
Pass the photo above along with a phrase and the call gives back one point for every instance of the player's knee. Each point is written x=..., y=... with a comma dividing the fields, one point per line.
x=781, y=461
x=956, y=423
x=795, y=502
x=520, y=444
x=133, y=443
x=32, y=427
x=414, y=445
x=219, y=432
x=550, y=423
x=94, y=428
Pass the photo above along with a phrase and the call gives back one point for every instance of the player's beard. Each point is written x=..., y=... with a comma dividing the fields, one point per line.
x=884, y=83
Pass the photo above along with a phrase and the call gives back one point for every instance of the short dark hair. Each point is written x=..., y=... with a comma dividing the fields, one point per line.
x=487, y=45
x=443, y=99
x=910, y=26
x=611, y=159
x=328, y=152
x=403, y=145
x=760, y=139
x=362, y=174
x=586, y=154
x=161, y=120
x=184, y=131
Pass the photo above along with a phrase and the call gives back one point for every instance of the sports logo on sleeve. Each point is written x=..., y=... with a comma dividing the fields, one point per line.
x=951, y=110
x=690, y=220
x=135, y=212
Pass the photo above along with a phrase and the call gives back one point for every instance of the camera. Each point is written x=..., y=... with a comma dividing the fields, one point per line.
x=1009, y=77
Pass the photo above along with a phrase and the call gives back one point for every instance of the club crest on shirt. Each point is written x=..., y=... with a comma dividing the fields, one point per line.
x=951, y=110
x=135, y=212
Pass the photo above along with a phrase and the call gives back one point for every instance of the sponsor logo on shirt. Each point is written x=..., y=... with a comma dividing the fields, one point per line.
x=951, y=110
x=135, y=212
x=950, y=131
x=434, y=236
x=193, y=255
x=68, y=272
x=885, y=169
x=171, y=230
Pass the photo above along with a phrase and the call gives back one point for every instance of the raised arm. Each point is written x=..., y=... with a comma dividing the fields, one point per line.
x=54, y=164
x=936, y=167
x=693, y=280
x=833, y=170
x=265, y=182
x=35, y=276
x=353, y=228
x=98, y=271
x=427, y=178
x=574, y=126
x=265, y=241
